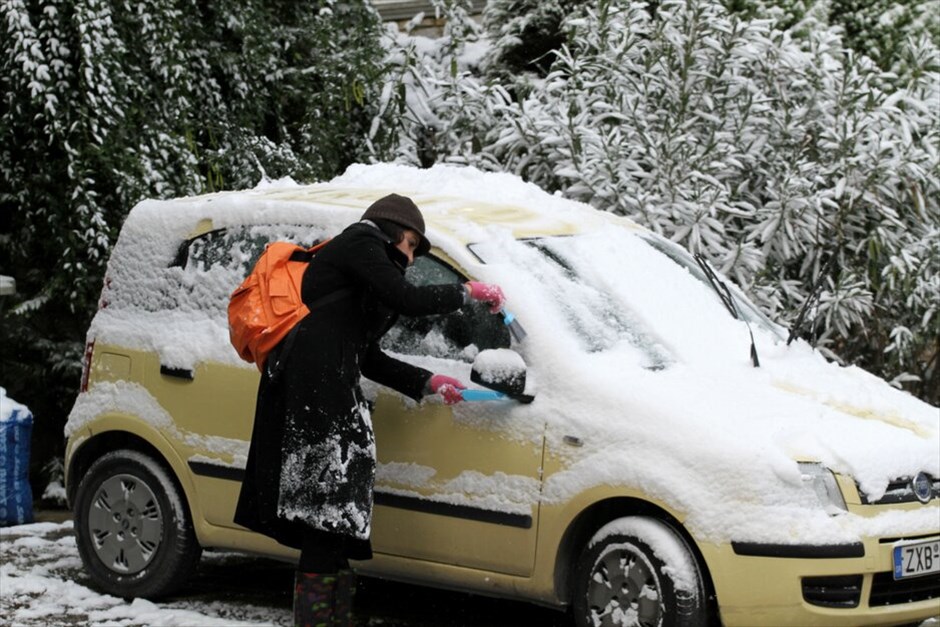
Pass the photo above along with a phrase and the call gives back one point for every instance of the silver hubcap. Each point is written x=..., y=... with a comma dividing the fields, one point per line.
x=624, y=590
x=125, y=524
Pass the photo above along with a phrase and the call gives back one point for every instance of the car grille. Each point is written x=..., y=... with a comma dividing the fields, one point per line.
x=900, y=491
x=885, y=590
x=843, y=592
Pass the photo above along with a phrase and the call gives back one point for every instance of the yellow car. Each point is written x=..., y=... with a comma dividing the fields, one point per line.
x=666, y=457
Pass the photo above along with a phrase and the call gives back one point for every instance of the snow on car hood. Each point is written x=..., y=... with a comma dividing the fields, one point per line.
x=720, y=448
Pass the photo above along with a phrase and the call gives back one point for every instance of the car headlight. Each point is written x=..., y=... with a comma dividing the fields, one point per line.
x=822, y=482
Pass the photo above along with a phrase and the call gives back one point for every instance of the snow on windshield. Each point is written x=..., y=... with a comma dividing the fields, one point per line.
x=610, y=289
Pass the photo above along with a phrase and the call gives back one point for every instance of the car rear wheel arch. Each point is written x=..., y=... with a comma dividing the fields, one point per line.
x=589, y=521
x=108, y=441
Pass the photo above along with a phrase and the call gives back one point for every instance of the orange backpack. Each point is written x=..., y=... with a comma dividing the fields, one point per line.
x=264, y=309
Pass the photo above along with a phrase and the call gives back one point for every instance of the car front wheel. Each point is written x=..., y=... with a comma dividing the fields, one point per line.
x=132, y=527
x=638, y=571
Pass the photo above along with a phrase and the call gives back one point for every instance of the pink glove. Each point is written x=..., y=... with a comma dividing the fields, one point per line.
x=448, y=387
x=488, y=293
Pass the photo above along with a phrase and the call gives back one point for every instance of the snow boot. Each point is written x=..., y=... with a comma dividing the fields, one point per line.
x=314, y=598
x=345, y=591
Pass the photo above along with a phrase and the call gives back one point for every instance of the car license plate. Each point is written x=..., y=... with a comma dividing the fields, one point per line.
x=913, y=559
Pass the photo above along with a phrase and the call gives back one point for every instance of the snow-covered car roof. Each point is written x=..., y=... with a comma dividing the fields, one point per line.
x=456, y=203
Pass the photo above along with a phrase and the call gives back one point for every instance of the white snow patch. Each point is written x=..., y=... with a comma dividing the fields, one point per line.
x=118, y=397
x=406, y=474
x=132, y=399
x=678, y=563
x=9, y=407
x=39, y=570
x=498, y=365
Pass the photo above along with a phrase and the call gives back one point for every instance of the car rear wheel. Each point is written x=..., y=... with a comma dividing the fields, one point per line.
x=132, y=527
x=638, y=571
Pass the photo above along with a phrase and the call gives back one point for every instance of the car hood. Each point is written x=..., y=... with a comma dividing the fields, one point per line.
x=706, y=440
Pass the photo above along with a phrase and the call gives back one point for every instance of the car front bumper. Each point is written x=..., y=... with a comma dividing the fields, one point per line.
x=800, y=585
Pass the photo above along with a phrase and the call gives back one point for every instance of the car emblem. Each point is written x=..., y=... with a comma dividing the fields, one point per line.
x=921, y=486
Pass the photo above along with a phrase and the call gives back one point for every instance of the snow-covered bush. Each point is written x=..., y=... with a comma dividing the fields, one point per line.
x=525, y=34
x=426, y=85
x=106, y=102
x=788, y=161
x=883, y=29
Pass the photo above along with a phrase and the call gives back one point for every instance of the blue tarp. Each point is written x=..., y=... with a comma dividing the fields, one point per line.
x=16, y=428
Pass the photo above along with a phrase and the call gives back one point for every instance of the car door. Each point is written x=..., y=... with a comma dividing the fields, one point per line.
x=455, y=484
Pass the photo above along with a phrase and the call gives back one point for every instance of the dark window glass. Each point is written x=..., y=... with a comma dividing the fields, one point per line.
x=460, y=335
x=237, y=248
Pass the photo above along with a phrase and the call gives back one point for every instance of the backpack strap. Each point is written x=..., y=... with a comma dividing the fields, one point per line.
x=276, y=358
x=302, y=255
x=279, y=354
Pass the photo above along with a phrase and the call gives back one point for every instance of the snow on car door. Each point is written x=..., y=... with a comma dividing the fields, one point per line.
x=453, y=485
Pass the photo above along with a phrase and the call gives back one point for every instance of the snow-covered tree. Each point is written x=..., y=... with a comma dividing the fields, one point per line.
x=525, y=34
x=425, y=87
x=786, y=159
x=106, y=102
x=879, y=29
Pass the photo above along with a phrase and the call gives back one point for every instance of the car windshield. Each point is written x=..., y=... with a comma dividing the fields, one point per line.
x=616, y=289
x=589, y=309
x=745, y=308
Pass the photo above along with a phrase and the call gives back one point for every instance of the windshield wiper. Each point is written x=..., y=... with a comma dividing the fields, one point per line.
x=810, y=300
x=727, y=300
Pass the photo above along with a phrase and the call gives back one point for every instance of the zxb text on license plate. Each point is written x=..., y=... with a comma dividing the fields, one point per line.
x=912, y=559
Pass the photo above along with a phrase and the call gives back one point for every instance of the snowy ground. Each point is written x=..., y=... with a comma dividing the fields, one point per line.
x=42, y=583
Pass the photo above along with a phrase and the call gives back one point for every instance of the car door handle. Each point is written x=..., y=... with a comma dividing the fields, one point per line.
x=178, y=373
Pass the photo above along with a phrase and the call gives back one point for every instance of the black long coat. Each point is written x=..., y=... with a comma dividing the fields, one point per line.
x=311, y=464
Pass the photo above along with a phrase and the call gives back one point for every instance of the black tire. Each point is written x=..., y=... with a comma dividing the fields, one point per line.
x=622, y=572
x=132, y=526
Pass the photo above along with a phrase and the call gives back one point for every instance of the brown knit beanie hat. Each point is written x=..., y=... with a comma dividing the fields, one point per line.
x=402, y=211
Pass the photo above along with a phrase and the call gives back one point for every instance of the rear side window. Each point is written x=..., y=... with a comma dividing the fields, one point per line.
x=201, y=274
x=459, y=335
x=237, y=248
x=207, y=268
x=169, y=294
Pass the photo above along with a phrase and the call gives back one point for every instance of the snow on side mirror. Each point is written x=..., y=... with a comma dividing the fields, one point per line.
x=503, y=370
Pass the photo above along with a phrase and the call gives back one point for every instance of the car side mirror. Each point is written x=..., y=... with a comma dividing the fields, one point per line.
x=502, y=370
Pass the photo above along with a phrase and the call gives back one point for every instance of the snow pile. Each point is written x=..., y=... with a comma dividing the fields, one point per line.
x=500, y=365
x=42, y=584
x=456, y=183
